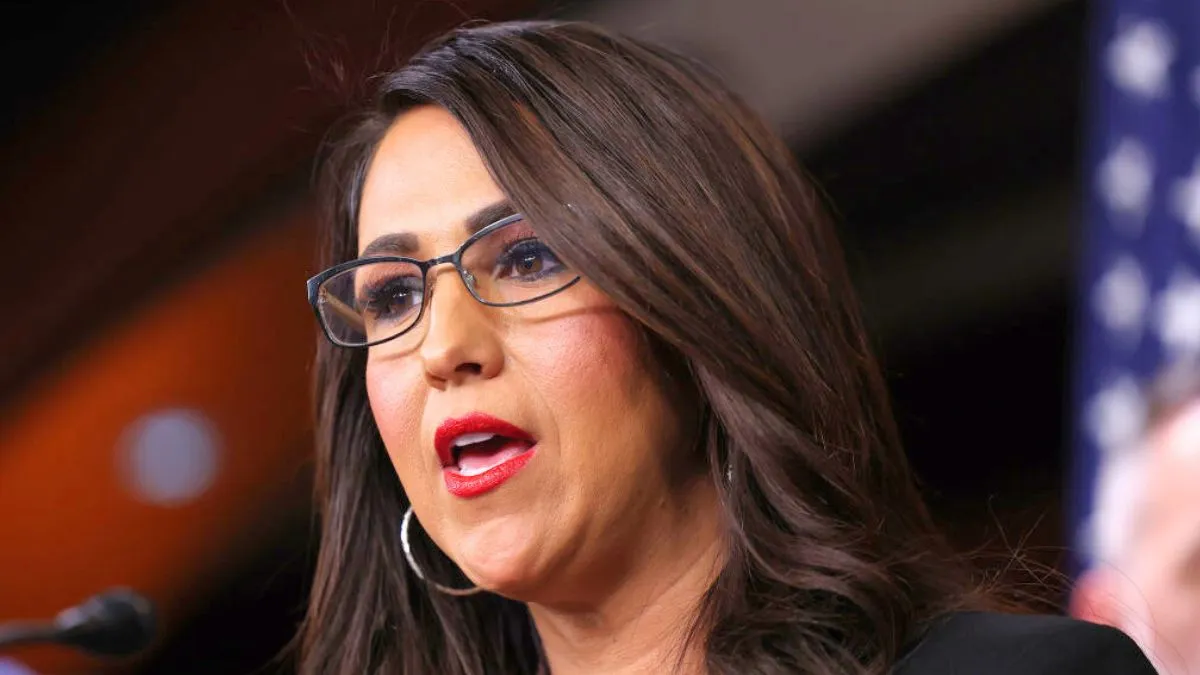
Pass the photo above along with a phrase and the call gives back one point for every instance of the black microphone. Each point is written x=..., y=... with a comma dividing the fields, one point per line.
x=118, y=622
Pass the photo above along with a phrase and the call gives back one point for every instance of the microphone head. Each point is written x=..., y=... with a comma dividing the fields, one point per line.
x=118, y=622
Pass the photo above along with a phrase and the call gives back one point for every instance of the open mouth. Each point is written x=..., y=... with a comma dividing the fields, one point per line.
x=477, y=453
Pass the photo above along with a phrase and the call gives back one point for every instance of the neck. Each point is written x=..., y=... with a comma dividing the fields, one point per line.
x=643, y=623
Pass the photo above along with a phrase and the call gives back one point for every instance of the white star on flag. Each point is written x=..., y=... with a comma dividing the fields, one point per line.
x=1196, y=86
x=1140, y=57
x=1186, y=198
x=1178, y=316
x=1126, y=179
x=1115, y=415
x=1120, y=299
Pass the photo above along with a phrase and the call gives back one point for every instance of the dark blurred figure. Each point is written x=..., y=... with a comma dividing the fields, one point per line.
x=1146, y=532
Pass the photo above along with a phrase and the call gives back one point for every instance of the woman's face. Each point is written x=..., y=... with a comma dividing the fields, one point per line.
x=597, y=464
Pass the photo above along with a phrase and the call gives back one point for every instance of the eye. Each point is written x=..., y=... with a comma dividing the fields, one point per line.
x=390, y=298
x=527, y=260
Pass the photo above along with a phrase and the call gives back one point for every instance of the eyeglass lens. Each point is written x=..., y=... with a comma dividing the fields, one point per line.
x=382, y=299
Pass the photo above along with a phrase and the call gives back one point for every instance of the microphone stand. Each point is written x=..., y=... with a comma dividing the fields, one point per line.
x=26, y=632
x=116, y=623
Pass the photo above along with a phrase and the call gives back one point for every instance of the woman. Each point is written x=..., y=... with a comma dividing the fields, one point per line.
x=596, y=398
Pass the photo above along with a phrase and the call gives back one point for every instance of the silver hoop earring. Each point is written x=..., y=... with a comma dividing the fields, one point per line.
x=412, y=562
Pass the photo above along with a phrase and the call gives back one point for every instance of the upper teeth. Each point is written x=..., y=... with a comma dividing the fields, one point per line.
x=468, y=439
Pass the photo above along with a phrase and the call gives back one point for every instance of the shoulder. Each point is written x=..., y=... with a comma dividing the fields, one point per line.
x=984, y=643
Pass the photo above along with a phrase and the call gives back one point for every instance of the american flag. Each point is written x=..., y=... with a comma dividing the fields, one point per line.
x=1140, y=304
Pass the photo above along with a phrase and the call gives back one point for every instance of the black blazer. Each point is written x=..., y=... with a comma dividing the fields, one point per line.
x=981, y=643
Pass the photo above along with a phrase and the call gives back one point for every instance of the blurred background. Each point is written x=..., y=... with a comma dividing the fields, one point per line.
x=157, y=225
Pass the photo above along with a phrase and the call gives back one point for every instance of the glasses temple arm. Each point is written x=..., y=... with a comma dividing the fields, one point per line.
x=345, y=311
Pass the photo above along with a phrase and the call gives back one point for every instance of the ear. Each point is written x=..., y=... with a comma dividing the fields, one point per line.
x=1096, y=598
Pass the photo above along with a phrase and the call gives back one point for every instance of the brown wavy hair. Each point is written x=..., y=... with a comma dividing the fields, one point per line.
x=647, y=175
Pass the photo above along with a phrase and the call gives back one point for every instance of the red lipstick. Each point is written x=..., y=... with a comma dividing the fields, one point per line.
x=478, y=453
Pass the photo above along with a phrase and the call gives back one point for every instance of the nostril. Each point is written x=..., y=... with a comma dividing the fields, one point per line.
x=469, y=368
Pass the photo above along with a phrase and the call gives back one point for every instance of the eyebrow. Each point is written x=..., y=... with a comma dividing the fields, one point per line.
x=406, y=243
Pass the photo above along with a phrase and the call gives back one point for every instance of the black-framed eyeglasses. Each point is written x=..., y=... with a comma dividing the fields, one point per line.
x=364, y=302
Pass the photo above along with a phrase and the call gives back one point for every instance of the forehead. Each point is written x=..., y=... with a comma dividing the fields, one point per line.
x=426, y=177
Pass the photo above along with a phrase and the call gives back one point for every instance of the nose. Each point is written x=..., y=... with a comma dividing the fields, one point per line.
x=460, y=342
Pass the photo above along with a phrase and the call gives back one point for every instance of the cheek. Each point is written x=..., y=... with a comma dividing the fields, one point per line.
x=609, y=409
x=396, y=394
x=586, y=356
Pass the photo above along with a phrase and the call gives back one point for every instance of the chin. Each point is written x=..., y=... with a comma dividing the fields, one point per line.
x=501, y=556
x=514, y=584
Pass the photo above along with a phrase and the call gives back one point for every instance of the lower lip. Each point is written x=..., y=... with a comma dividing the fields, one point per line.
x=473, y=486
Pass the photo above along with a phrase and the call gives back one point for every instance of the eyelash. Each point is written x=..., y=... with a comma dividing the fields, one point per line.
x=378, y=297
x=526, y=246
